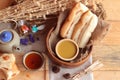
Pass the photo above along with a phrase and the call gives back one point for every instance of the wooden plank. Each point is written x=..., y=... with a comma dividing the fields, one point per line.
x=112, y=9
x=108, y=51
x=108, y=55
x=113, y=36
x=107, y=75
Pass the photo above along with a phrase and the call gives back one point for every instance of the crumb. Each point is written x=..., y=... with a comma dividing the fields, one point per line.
x=27, y=75
x=14, y=74
x=5, y=68
x=5, y=57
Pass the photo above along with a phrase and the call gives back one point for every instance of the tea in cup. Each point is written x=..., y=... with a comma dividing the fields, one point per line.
x=33, y=60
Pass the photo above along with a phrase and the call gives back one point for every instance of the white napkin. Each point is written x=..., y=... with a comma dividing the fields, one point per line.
x=59, y=75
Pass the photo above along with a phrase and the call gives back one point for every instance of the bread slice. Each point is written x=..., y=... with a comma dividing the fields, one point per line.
x=7, y=64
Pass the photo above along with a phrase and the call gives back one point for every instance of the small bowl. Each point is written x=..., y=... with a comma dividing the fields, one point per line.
x=33, y=60
x=67, y=49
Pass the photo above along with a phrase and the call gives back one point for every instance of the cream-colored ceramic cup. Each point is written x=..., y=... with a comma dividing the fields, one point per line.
x=33, y=60
x=67, y=49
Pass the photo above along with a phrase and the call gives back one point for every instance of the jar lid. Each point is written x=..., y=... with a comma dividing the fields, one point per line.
x=6, y=36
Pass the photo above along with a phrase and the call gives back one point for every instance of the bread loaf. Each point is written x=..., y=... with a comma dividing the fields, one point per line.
x=72, y=19
x=87, y=31
x=79, y=26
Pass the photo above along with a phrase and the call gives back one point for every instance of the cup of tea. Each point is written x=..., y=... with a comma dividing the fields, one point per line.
x=67, y=49
x=33, y=60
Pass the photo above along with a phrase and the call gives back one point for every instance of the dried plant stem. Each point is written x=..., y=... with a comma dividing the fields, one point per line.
x=33, y=9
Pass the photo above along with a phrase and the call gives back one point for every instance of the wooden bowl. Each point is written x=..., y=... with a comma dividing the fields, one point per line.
x=51, y=41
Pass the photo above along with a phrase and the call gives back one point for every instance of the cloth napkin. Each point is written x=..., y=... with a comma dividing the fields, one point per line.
x=59, y=75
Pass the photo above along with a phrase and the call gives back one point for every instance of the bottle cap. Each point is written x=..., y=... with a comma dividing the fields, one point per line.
x=6, y=36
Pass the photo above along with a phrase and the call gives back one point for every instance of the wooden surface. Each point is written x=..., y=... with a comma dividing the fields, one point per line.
x=42, y=73
x=108, y=51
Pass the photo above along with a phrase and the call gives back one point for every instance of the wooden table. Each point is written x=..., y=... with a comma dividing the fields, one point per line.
x=108, y=51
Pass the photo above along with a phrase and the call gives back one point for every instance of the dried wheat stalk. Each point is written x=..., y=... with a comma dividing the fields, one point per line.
x=38, y=9
x=34, y=9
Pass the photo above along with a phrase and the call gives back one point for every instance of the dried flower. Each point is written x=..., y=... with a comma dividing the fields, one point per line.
x=32, y=9
x=55, y=69
x=67, y=75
